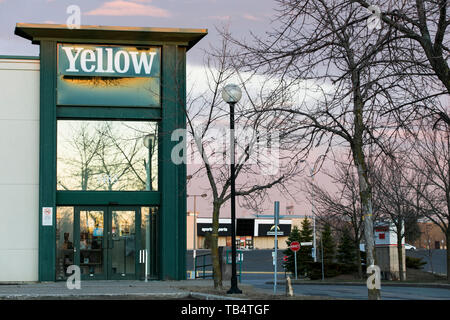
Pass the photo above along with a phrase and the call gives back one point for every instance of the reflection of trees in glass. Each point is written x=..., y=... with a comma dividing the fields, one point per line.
x=104, y=155
x=64, y=224
x=64, y=240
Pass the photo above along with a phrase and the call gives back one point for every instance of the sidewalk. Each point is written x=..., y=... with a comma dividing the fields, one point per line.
x=123, y=290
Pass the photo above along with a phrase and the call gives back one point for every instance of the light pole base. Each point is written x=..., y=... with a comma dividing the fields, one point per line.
x=234, y=290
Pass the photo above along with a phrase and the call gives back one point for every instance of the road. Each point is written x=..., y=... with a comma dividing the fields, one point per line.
x=358, y=292
x=258, y=271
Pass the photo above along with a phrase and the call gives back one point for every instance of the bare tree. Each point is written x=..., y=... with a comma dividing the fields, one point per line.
x=341, y=209
x=327, y=46
x=396, y=199
x=207, y=117
x=420, y=51
x=430, y=162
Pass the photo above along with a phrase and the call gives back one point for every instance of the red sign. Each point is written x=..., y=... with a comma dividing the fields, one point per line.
x=285, y=258
x=295, y=246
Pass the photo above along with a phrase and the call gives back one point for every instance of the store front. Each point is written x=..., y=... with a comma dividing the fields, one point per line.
x=250, y=233
x=109, y=190
x=106, y=242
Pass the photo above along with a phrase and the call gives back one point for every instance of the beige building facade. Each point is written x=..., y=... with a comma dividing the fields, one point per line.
x=431, y=237
x=256, y=233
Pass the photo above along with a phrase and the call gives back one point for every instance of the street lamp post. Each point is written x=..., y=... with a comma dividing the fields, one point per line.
x=313, y=209
x=149, y=141
x=314, y=219
x=231, y=94
x=321, y=255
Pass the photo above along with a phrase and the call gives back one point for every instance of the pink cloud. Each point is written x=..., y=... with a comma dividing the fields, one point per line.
x=127, y=8
x=250, y=17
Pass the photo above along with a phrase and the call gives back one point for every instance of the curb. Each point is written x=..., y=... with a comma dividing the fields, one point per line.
x=133, y=296
x=95, y=296
x=205, y=296
x=420, y=285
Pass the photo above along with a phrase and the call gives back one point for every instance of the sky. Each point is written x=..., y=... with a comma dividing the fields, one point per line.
x=241, y=17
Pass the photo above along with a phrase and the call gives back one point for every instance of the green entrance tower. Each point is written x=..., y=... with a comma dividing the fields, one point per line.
x=111, y=199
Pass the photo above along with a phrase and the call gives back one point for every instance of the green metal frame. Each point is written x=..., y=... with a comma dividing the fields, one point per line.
x=76, y=240
x=171, y=194
x=19, y=57
x=47, y=159
x=137, y=265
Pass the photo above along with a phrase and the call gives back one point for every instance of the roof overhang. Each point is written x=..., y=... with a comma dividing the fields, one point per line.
x=109, y=34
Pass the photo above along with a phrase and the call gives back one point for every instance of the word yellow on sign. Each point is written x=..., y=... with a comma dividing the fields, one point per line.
x=78, y=60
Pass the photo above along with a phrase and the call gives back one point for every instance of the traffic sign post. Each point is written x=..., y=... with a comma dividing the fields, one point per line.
x=295, y=246
x=276, y=216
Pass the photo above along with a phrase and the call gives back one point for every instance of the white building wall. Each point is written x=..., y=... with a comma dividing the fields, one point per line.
x=19, y=169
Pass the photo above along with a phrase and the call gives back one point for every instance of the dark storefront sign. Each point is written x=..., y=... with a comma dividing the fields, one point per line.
x=204, y=228
x=245, y=227
x=382, y=229
x=269, y=230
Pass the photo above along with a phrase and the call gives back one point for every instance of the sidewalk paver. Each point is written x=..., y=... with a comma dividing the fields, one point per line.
x=108, y=290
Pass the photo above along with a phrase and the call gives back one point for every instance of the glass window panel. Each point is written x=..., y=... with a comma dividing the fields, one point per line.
x=148, y=241
x=91, y=241
x=107, y=155
x=64, y=241
x=123, y=249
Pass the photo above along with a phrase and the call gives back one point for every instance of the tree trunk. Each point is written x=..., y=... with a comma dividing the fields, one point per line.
x=217, y=273
x=437, y=62
x=400, y=253
x=365, y=189
x=358, y=262
x=447, y=239
x=366, y=204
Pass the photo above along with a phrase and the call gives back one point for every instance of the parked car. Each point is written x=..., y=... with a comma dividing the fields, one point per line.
x=407, y=247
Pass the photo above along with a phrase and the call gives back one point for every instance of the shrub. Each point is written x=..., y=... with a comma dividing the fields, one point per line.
x=330, y=270
x=414, y=263
x=348, y=268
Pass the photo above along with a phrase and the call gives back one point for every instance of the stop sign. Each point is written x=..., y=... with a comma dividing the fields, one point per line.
x=295, y=246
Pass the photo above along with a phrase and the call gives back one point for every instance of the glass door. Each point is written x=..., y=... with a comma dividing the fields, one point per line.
x=107, y=242
x=123, y=228
x=148, y=245
x=91, y=242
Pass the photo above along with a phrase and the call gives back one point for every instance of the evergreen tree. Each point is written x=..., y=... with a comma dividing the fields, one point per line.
x=304, y=255
x=289, y=265
x=346, y=253
x=328, y=245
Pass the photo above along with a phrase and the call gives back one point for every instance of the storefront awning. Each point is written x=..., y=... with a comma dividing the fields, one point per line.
x=101, y=34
